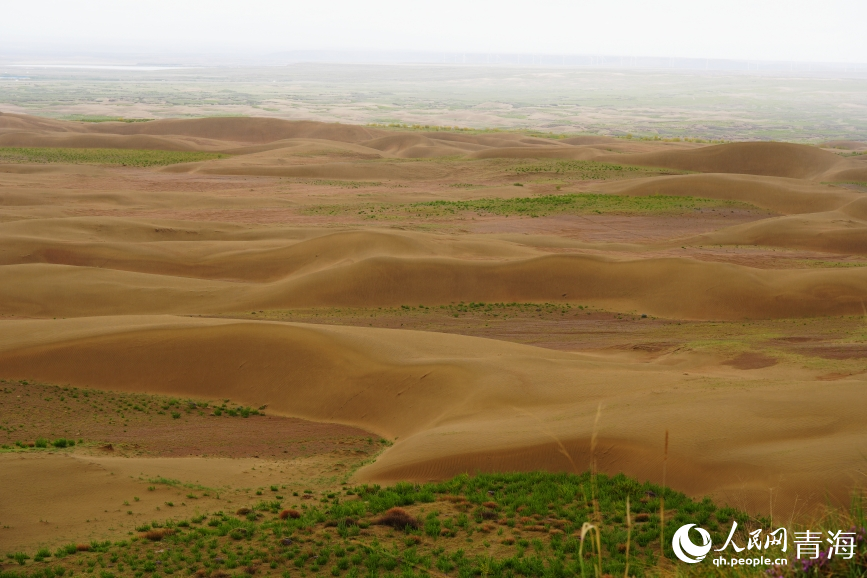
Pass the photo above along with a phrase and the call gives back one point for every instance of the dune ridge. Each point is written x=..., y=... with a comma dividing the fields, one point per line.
x=679, y=288
x=257, y=134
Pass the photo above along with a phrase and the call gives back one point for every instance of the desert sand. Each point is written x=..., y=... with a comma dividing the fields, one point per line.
x=160, y=280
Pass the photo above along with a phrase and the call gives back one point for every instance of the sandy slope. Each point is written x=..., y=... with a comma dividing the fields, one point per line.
x=82, y=497
x=456, y=403
x=128, y=253
x=680, y=288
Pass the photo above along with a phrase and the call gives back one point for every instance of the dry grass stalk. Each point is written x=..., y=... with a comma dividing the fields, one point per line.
x=662, y=500
x=628, y=536
x=594, y=494
x=586, y=528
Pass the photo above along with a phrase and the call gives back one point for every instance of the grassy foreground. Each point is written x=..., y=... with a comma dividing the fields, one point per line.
x=522, y=524
x=122, y=157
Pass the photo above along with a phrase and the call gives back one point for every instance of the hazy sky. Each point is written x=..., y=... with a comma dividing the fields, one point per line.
x=799, y=30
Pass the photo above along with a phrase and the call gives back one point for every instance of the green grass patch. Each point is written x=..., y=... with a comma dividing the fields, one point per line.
x=856, y=183
x=102, y=118
x=539, y=206
x=589, y=170
x=833, y=264
x=343, y=184
x=497, y=525
x=122, y=157
x=579, y=203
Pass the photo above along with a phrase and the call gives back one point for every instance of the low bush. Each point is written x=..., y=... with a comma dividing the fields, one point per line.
x=399, y=519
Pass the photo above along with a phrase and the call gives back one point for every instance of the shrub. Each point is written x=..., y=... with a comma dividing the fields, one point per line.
x=399, y=519
x=41, y=443
x=156, y=535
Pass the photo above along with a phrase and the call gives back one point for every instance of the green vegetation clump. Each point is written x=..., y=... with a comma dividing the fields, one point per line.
x=343, y=184
x=121, y=157
x=542, y=205
x=503, y=525
x=580, y=203
x=657, y=138
x=584, y=170
x=102, y=118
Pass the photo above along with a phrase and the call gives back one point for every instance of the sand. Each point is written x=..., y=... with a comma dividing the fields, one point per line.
x=106, y=274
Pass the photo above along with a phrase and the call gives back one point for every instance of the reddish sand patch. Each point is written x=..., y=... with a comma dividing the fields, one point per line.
x=751, y=361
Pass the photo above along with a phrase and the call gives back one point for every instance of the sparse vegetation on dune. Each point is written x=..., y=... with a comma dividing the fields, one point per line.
x=589, y=170
x=580, y=204
x=40, y=417
x=102, y=118
x=121, y=157
x=343, y=184
x=518, y=524
x=657, y=138
x=403, y=126
x=539, y=206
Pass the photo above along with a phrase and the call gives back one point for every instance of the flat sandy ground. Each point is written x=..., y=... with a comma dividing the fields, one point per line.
x=443, y=302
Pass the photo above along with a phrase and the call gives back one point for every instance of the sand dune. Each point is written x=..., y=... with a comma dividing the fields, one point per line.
x=774, y=159
x=246, y=130
x=849, y=145
x=71, y=140
x=420, y=146
x=225, y=129
x=22, y=122
x=681, y=288
x=591, y=140
x=781, y=195
x=223, y=253
x=831, y=232
x=852, y=172
x=564, y=152
x=129, y=256
x=462, y=404
x=254, y=165
x=306, y=147
x=236, y=134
